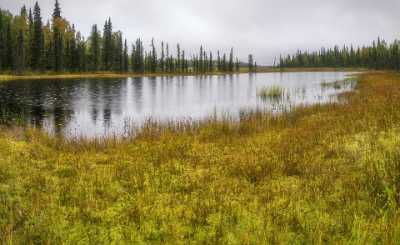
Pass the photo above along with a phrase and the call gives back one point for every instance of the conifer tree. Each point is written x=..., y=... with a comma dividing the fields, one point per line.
x=168, y=65
x=224, y=64
x=57, y=10
x=2, y=55
x=9, y=61
x=162, y=59
x=118, y=52
x=218, y=62
x=20, y=53
x=107, y=46
x=37, y=40
x=94, y=50
x=139, y=57
x=178, y=56
x=211, y=63
x=183, y=62
x=153, y=58
x=231, y=65
x=251, y=63
x=58, y=38
x=201, y=60
x=126, y=57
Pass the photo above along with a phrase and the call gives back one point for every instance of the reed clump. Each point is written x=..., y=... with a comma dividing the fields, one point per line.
x=273, y=92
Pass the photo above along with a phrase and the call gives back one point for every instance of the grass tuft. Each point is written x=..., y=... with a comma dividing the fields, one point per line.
x=274, y=92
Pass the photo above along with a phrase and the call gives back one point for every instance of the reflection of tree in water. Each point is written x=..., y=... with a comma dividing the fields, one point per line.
x=138, y=93
x=111, y=98
x=22, y=102
x=94, y=93
x=62, y=96
x=34, y=101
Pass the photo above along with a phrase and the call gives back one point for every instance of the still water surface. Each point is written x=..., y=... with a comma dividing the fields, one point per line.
x=97, y=107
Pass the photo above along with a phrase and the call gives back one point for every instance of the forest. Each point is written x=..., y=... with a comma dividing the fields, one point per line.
x=380, y=55
x=29, y=45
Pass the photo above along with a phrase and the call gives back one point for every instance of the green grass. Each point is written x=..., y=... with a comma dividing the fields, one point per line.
x=316, y=175
x=274, y=92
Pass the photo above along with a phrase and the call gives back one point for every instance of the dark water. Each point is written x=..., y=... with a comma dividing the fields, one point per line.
x=97, y=107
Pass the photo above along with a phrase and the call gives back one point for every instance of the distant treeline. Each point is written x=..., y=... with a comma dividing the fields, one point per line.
x=380, y=55
x=26, y=44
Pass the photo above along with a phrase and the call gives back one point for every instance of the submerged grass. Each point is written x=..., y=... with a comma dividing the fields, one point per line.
x=320, y=174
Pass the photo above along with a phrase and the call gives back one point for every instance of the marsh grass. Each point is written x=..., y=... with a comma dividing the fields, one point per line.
x=337, y=85
x=315, y=175
x=273, y=92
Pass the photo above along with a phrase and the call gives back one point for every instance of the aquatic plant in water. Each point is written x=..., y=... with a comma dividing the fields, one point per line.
x=274, y=92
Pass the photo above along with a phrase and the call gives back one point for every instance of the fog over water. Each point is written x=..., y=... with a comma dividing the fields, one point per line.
x=263, y=27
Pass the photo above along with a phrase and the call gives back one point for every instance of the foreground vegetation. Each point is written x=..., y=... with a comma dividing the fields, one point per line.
x=321, y=174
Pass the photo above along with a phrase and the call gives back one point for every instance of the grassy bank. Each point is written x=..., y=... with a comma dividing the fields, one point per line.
x=322, y=174
x=38, y=76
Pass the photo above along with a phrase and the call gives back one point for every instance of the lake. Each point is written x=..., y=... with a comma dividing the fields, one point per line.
x=99, y=107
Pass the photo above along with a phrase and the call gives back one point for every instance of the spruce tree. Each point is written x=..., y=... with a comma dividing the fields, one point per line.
x=2, y=56
x=37, y=40
x=178, y=56
x=20, y=53
x=138, y=59
x=218, y=62
x=211, y=63
x=162, y=59
x=168, y=63
x=183, y=62
x=126, y=57
x=94, y=50
x=153, y=57
x=107, y=46
x=58, y=39
x=57, y=10
x=118, y=52
x=231, y=65
x=29, y=41
x=251, y=62
x=201, y=60
x=133, y=58
x=224, y=64
x=9, y=49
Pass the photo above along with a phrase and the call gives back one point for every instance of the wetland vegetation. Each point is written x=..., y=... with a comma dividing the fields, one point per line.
x=325, y=173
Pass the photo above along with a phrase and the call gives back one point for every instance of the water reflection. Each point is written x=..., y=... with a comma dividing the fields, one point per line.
x=94, y=107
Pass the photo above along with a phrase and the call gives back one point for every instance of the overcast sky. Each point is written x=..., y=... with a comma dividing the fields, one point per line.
x=265, y=28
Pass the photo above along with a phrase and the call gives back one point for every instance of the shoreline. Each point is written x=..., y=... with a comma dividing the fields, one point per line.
x=38, y=76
